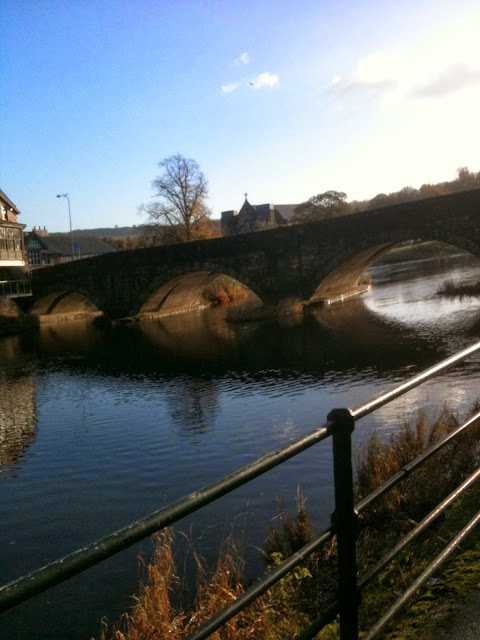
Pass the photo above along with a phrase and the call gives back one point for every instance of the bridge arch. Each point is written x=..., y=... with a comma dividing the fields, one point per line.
x=64, y=302
x=180, y=290
x=344, y=270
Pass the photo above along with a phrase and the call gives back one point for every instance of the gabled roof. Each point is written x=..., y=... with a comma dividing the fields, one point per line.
x=247, y=208
x=62, y=244
x=6, y=199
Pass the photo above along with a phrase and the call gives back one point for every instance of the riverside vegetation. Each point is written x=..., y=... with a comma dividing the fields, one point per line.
x=452, y=289
x=288, y=607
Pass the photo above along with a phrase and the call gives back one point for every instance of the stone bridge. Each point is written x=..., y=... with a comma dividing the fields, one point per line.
x=307, y=262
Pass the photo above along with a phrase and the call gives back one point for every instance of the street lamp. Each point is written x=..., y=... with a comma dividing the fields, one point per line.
x=65, y=195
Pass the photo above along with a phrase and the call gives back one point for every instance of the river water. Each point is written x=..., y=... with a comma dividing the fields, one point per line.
x=98, y=428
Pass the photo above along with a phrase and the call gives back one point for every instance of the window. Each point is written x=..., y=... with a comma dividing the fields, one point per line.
x=34, y=257
x=33, y=243
x=10, y=240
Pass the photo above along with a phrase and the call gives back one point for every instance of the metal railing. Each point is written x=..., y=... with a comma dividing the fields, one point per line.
x=340, y=425
x=15, y=288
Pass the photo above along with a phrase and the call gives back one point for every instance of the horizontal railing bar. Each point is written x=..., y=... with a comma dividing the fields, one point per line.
x=417, y=530
x=387, y=397
x=411, y=466
x=422, y=578
x=23, y=588
x=259, y=588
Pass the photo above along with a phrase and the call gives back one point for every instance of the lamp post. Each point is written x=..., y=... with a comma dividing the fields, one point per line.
x=65, y=195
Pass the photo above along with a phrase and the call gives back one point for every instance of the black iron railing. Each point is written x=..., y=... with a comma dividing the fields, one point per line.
x=340, y=425
x=15, y=288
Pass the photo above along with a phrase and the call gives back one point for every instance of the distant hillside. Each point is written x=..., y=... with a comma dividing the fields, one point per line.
x=115, y=232
x=107, y=232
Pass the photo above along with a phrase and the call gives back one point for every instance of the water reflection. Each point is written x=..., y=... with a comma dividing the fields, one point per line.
x=17, y=406
x=72, y=337
x=193, y=405
x=204, y=347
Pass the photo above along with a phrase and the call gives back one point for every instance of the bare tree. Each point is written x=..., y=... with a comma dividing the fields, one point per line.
x=181, y=214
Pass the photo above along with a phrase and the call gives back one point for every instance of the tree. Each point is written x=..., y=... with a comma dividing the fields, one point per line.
x=467, y=179
x=181, y=214
x=324, y=205
x=380, y=200
x=428, y=190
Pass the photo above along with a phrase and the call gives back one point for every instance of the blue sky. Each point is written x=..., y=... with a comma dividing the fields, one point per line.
x=363, y=97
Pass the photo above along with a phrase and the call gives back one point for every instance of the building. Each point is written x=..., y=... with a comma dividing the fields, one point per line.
x=253, y=217
x=44, y=249
x=13, y=276
x=11, y=234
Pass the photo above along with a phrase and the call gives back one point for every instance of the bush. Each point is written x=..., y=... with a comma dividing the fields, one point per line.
x=224, y=290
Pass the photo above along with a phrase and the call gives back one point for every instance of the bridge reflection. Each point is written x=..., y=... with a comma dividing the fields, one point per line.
x=205, y=344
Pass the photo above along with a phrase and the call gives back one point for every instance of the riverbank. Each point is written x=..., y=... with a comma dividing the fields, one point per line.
x=296, y=600
x=418, y=251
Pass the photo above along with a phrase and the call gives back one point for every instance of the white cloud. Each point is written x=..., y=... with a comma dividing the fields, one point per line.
x=430, y=68
x=455, y=78
x=265, y=80
x=228, y=88
x=373, y=77
x=243, y=58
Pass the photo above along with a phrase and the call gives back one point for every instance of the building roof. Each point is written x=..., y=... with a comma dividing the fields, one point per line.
x=285, y=210
x=6, y=199
x=62, y=244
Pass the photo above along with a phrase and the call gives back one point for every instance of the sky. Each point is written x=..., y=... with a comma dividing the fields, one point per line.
x=272, y=98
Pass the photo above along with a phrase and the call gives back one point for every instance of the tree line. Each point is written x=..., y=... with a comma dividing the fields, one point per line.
x=180, y=213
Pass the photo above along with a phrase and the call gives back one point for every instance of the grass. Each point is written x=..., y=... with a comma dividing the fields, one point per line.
x=452, y=289
x=419, y=251
x=294, y=601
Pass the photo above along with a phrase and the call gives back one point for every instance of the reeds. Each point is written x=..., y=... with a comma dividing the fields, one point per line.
x=453, y=289
x=289, y=605
x=154, y=616
x=425, y=488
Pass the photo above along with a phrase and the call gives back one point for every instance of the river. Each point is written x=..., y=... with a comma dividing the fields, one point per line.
x=100, y=427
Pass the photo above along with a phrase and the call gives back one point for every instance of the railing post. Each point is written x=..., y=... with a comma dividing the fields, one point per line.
x=345, y=521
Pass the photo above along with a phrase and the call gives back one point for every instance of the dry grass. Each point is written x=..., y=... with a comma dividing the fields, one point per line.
x=155, y=617
x=427, y=486
x=289, y=605
x=224, y=290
